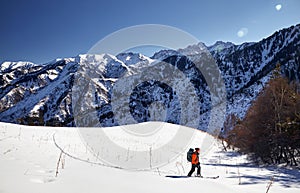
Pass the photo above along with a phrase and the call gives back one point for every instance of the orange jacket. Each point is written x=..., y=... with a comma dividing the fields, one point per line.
x=195, y=158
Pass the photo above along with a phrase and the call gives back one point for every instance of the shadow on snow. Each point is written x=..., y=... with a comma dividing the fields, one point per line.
x=252, y=173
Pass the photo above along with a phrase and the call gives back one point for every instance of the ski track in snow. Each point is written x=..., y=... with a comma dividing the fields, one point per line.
x=28, y=163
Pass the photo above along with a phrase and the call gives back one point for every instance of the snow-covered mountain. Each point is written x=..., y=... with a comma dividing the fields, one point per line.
x=246, y=68
x=42, y=93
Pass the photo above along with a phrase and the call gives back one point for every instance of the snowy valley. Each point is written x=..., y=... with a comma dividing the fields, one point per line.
x=30, y=163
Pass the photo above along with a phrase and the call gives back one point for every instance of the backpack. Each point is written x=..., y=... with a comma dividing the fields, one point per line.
x=189, y=154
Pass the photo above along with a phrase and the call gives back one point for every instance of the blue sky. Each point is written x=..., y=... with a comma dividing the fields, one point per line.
x=42, y=30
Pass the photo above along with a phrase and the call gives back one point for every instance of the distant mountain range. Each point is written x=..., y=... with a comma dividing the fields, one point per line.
x=41, y=94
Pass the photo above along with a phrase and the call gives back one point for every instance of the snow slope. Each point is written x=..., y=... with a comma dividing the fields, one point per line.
x=29, y=157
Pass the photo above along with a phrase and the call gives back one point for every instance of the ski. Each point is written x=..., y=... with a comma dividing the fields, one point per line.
x=205, y=177
x=211, y=177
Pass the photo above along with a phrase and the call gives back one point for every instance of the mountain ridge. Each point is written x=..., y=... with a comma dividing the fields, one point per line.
x=41, y=93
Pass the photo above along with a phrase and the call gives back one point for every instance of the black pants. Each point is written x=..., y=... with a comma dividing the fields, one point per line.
x=194, y=166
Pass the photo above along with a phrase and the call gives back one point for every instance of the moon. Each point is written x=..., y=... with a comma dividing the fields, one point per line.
x=278, y=7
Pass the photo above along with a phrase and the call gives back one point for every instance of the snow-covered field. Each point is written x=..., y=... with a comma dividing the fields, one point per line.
x=29, y=158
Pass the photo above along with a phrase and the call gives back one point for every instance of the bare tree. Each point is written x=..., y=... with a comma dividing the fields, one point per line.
x=271, y=129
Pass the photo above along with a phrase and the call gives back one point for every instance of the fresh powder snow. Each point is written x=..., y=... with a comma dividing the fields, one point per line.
x=55, y=159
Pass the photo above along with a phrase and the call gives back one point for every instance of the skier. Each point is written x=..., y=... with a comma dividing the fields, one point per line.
x=195, y=163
